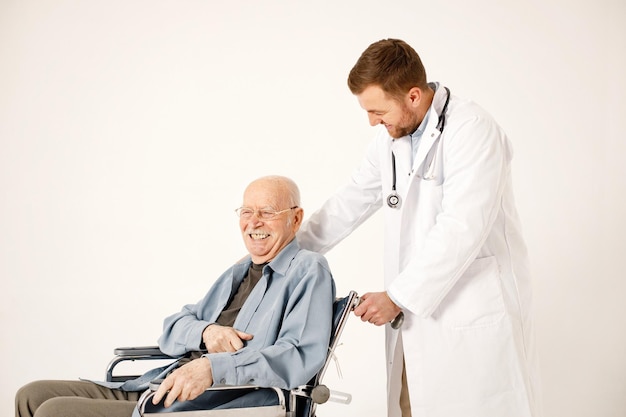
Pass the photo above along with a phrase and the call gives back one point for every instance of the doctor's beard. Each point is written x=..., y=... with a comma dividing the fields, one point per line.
x=408, y=123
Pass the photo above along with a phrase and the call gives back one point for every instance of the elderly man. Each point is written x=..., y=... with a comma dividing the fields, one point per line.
x=266, y=321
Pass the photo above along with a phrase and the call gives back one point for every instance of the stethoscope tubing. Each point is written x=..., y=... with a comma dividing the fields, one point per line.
x=393, y=199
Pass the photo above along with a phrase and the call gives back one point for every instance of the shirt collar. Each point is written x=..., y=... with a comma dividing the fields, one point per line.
x=282, y=261
x=422, y=127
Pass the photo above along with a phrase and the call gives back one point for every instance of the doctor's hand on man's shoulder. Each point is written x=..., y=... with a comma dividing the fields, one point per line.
x=377, y=308
x=219, y=339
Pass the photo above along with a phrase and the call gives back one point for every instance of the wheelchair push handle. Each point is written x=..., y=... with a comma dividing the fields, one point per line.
x=395, y=324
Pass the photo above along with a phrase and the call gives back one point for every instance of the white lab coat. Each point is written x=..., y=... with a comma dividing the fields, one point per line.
x=454, y=260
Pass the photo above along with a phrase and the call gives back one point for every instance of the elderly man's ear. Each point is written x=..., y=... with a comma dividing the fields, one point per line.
x=298, y=217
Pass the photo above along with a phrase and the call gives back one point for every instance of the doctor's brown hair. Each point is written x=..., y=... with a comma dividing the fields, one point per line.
x=391, y=64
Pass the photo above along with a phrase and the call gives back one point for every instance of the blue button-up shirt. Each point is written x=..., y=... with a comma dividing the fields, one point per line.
x=289, y=313
x=416, y=136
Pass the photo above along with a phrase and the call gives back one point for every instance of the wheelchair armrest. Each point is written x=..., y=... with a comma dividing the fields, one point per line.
x=123, y=354
x=154, y=386
x=140, y=351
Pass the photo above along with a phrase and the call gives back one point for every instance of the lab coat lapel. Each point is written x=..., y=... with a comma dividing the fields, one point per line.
x=401, y=148
x=431, y=133
x=428, y=140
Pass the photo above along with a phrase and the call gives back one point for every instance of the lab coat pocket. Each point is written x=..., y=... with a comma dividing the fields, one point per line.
x=476, y=299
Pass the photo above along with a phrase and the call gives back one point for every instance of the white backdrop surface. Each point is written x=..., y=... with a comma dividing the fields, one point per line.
x=128, y=130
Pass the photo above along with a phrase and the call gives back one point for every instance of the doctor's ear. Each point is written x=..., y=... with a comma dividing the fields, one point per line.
x=415, y=96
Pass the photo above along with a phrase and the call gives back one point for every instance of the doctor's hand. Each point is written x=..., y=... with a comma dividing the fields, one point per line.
x=185, y=383
x=219, y=339
x=377, y=308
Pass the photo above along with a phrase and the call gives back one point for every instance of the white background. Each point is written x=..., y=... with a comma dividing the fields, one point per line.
x=129, y=128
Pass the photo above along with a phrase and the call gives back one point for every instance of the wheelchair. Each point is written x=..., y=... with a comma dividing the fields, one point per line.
x=298, y=402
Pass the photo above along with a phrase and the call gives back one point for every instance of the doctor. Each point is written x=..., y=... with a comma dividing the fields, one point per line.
x=455, y=263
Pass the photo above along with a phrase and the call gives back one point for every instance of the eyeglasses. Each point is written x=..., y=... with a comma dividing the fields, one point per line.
x=263, y=214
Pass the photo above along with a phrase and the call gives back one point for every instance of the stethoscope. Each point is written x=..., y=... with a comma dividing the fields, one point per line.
x=393, y=199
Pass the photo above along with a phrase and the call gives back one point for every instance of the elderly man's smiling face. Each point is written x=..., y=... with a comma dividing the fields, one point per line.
x=264, y=238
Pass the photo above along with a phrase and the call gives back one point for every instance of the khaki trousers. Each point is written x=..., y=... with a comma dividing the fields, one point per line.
x=405, y=402
x=73, y=399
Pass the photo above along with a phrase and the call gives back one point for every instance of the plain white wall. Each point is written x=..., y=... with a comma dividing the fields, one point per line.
x=128, y=130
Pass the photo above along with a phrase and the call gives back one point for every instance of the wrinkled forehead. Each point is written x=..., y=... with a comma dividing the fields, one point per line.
x=265, y=193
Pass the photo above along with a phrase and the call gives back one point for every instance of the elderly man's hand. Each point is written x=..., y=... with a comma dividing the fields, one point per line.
x=185, y=383
x=219, y=339
x=377, y=308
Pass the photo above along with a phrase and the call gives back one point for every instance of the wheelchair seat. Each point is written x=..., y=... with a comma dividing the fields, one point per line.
x=298, y=402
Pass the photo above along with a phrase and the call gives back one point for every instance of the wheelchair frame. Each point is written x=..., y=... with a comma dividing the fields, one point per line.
x=313, y=393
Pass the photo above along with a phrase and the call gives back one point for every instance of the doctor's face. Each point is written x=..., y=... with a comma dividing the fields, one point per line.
x=399, y=117
x=269, y=222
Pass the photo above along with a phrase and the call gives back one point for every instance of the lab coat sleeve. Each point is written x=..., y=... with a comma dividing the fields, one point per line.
x=348, y=208
x=476, y=171
x=301, y=345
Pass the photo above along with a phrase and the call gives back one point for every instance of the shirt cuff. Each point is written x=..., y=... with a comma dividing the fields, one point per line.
x=194, y=340
x=223, y=368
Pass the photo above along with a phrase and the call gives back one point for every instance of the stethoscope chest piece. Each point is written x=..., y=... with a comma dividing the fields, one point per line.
x=393, y=200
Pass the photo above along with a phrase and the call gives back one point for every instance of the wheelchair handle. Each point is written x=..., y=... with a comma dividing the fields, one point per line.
x=395, y=324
